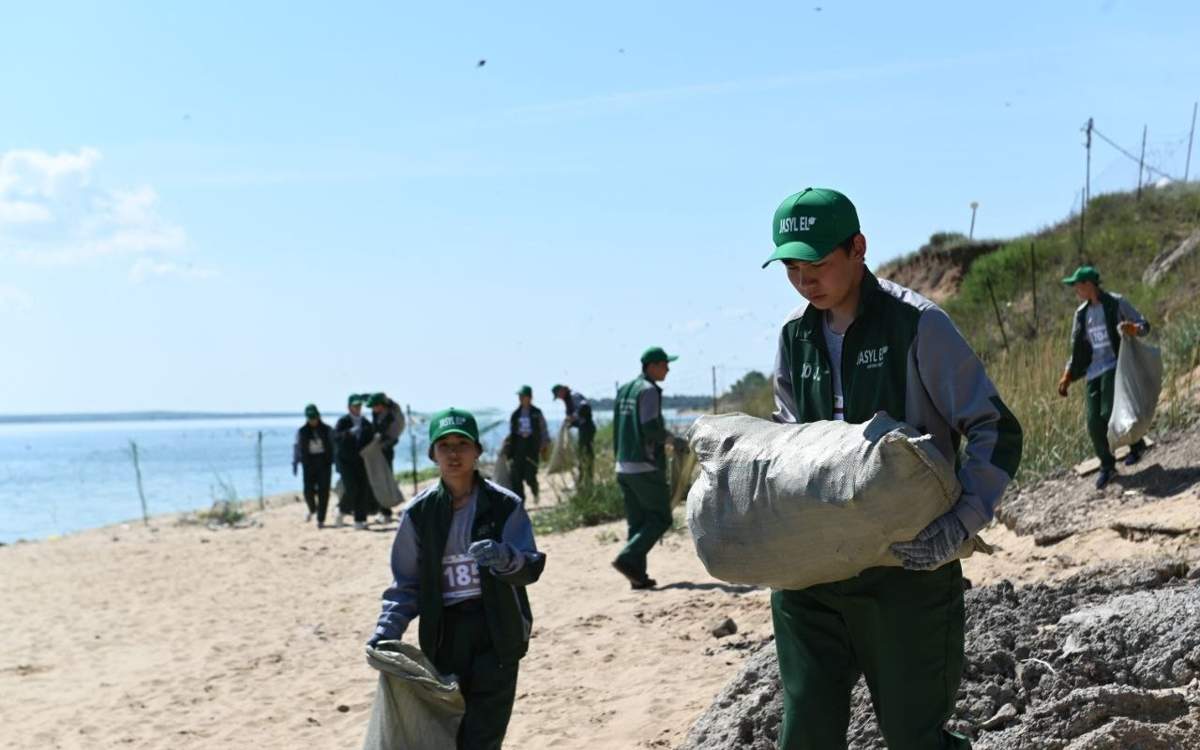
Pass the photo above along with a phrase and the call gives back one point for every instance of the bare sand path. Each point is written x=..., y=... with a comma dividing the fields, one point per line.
x=185, y=637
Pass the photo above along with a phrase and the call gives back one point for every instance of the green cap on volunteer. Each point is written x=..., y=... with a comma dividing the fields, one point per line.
x=1083, y=273
x=310, y=412
x=375, y=399
x=355, y=398
x=452, y=422
x=525, y=391
x=656, y=354
x=811, y=223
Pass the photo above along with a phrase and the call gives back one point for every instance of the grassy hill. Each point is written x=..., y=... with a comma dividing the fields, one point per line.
x=1023, y=335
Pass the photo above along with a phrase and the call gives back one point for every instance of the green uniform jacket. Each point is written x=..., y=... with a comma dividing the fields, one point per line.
x=505, y=603
x=902, y=355
x=636, y=441
x=1116, y=310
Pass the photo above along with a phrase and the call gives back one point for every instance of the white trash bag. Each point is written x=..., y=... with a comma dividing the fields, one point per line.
x=792, y=505
x=380, y=476
x=415, y=708
x=562, y=453
x=1135, y=395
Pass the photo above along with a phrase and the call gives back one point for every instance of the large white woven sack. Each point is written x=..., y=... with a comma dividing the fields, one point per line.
x=379, y=474
x=415, y=708
x=792, y=505
x=1135, y=393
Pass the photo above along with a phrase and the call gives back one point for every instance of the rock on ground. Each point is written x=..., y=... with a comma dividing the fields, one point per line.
x=1109, y=658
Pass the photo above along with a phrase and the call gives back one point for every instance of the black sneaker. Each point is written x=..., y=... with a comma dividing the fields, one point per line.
x=1105, y=477
x=1135, y=455
x=636, y=581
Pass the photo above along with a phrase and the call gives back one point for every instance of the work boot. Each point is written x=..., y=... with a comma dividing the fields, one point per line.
x=636, y=581
x=1105, y=477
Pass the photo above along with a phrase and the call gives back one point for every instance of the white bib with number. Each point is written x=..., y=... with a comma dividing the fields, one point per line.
x=460, y=579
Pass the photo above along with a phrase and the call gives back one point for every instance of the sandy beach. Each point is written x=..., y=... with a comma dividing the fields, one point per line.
x=189, y=637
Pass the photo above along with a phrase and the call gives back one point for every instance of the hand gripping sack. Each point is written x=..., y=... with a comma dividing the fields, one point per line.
x=1135, y=392
x=792, y=505
x=415, y=708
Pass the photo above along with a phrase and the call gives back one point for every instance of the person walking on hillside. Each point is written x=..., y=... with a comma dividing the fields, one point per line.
x=1100, y=321
x=528, y=441
x=857, y=346
x=579, y=416
x=463, y=554
x=351, y=434
x=639, y=443
x=387, y=420
x=313, y=450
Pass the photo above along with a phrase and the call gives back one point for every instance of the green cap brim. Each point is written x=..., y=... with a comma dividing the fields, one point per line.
x=797, y=251
x=456, y=431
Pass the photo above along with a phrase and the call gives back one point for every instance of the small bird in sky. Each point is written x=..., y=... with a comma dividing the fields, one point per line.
x=481, y=63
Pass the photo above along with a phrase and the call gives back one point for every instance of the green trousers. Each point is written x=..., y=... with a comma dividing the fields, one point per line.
x=901, y=629
x=488, y=687
x=1099, y=410
x=648, y=512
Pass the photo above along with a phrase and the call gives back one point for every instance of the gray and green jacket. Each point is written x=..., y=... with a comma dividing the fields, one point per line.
x=902, y=355
x=1117, y=310
x=639, y=431
x=417, y=552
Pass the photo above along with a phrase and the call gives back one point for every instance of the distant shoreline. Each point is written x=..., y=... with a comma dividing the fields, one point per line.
x=136, y=416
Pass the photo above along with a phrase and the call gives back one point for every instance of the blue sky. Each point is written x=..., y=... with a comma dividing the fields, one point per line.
x=253, y=206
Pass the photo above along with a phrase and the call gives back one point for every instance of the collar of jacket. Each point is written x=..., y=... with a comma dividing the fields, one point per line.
x=442, y=502
x=869, y=292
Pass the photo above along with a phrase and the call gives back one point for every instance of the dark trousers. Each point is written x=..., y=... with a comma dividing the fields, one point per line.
x=587, y=452
x=357, y=497
x=316, y=488
x=647, y=513
x=1099, y=410
x=488, y=687
x=523, y=469
x=901, y=629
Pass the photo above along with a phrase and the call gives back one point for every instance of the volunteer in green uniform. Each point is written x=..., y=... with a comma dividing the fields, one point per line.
x=463, y=555
x=639, y=444
x=860, y=345
x=1095, y=344
x=528, y=442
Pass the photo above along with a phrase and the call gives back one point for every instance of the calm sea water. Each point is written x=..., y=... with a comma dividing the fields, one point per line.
x=59, y=478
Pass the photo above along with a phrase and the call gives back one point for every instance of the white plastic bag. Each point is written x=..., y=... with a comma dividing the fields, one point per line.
x=1135, y=394
x=562, y=453
x=380, y=476
x=415, y=708
x=792, y=505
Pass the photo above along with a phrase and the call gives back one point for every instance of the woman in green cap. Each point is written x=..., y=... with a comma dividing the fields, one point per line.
x=463, y=555
x=313, y=450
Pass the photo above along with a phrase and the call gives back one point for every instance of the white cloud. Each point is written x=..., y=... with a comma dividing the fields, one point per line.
x=52, y=211
x=148, y=268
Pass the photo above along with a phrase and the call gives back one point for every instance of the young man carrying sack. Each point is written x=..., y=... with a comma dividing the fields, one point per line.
x=1095, y=344
x=860, y=345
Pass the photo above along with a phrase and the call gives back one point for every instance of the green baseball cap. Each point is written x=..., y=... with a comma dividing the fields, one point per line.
x=656, y=354
x=355, y=398
x=310, y=411
x=811, y=223
x=452, y=422
x=525, y=391
x=1083, y=273
x=376, y=398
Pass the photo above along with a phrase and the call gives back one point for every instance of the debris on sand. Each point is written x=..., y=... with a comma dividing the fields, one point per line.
x=1109, y=658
